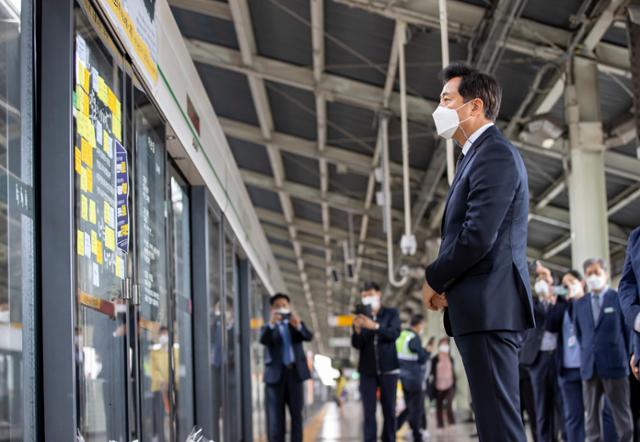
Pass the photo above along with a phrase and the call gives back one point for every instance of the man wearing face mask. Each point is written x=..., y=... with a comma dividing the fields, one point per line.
x=603, y=337
x=285, y=368
x=538, y=355
x=375, y=338
x=481, y=274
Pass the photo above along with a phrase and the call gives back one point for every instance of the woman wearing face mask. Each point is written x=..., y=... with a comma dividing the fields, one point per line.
x=443, y=381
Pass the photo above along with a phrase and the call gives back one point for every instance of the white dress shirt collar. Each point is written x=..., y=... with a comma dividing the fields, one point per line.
x=473, y=137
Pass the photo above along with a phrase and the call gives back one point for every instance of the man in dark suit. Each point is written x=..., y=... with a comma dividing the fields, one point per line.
x=374, y=335
x=482, y=263
x=603, y=336
x=629, y=294
x=285, y=368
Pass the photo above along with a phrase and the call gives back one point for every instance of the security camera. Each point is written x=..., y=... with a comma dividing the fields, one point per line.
x=408, y=244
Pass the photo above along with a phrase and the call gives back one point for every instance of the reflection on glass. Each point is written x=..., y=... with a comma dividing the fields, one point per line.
x=183, y=362
x=152, y=271
x=232, y=362
x=258, y=313
x=101, y=313
x=17, y=395
x=217, y=355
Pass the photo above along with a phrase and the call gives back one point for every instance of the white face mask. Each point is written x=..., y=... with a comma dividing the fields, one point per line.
x=373, y=301
x=443, y=348
x=284, y=311
x=541, y=288
x=163, y=339
x=576, y=289
x=447, y=120
x=596, y=283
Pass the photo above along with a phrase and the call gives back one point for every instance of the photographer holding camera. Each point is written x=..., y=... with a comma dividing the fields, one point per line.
x=375, y=330
x=285, y=368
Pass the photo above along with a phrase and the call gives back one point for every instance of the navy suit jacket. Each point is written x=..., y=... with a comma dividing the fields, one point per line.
x=272, y=340
x=629, y=288
x=377, y=348
x=482, y=263
x=533, y=338
x=603, y=346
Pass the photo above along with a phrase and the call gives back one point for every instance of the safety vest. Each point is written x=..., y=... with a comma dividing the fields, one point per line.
x=402, y=346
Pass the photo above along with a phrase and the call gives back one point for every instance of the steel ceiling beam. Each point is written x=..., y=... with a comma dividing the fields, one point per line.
x=241, y=16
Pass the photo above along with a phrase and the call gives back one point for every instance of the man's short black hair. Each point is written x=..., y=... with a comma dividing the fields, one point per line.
x=277, y=296
x=575, y=273
x=416, y=319
x=370, y=285
x=476, y=84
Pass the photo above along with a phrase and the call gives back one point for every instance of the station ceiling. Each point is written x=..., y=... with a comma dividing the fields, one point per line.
x=299, y=86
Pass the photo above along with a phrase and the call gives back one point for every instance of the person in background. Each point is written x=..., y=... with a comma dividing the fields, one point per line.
x=285, y=368
x=560, y=321
x=629, y=294
x=527, y=403
x=603, y=337
x=542, y=360
x=412, y=358
x=426, y=388
x=341, y=383
x=378, y=365
x=443, y=378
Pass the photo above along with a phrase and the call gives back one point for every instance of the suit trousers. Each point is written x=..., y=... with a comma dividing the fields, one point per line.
x=491, y=362
x=546, y=394
x=287, y=392
x=414, y=411
x=617, y=393
x=368, y=387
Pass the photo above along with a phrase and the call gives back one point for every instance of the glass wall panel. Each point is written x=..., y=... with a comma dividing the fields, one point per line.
x=17, y=337
x=100, y=236
x=216, y=322
x=182, y=338
x=258, y=312
x=152, y=245
x=232, y=339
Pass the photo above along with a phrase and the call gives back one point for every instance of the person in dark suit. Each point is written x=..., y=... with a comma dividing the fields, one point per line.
x=285, y=368
x=629, y=294
x=603, y=337
x=375, y=337
x=560, y=320
x=481, y=276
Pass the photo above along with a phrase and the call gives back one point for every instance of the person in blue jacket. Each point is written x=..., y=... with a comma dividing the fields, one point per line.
x=604, y=352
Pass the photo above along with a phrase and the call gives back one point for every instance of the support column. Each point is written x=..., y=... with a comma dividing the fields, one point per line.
x=587, y=187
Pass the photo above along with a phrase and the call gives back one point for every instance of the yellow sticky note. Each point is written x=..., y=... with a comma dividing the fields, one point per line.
x=118, y=110
x=111, y=103
x=108, y=214
x=124, y=188
x=119, y=267
x=80, y=242
x=106, y=142
x=123, y=211
x=86, y=77
x=83, y=179
x=99, y=252
x=84, y=211
x=116, y=128
x=94, y=242
x=85, y=104
x=77, y=154
x=89, y=174
x=103, y=89
x=109, y=238
x=87, y=152
x=92, y=211
x=85, y=128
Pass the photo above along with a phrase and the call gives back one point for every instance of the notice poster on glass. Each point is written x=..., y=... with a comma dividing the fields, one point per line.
x=98, y=122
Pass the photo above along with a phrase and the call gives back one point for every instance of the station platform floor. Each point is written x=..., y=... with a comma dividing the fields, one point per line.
x=332, y=424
